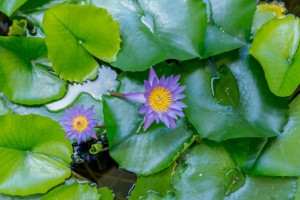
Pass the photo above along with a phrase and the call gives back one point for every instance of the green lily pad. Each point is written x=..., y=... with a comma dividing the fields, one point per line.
x=157, y=196
x=276, y=47
x=18, y=28
x=259, y=113
x=245, y=151
x=228, y=28
x=105, y=81
x=105, y=193
x=29, y=197
x=79, y=40
x=135, y=150
x=8, y=7
x=266, y=12
x=281, y=156
x=225, y=90
x=73, y=191
x=204, y=172
x=263, y=187
x=34, y=150
x=24, y=77
x=153, y=31
x=159, y=183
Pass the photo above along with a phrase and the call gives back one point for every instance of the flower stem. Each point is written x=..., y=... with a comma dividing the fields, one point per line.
x=116, y=94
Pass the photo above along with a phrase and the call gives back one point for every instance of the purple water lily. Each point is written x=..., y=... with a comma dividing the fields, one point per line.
x=79, y=123
x=161, y=100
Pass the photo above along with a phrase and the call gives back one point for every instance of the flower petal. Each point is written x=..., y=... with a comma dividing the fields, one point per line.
x=137, y=97
x=172, y=122
x=152, y=75
x=149, y=119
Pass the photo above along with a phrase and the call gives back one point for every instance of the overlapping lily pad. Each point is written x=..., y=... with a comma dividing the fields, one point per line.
x=153, y=31
x=73, y=191
x=8, y=7
x=135, y=150
x=206, y=172
x=276, y=47
x=281, y=155
x=259, y=113
x=34, y=151
x=159, y=183
x=228, y=27
x=76, y=33
x=24, y=77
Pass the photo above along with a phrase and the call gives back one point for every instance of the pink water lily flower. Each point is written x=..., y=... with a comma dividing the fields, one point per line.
x=161, y=100
x=79, y=123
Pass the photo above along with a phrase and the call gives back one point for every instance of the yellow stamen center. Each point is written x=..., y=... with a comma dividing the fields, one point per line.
x=160, y=99
x=80, y=123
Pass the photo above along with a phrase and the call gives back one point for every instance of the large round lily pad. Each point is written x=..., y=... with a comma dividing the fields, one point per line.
x=153, y=31
x=276, y=47
x=24, y=75
x=281, y=155
x=76, y=33
x=33, y=153
x=253, y=112
x=135, y=150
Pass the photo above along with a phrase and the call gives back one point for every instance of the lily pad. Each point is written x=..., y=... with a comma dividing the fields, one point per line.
x=281, y=156
x=204, y=173
x=34, y=150
x=153, y=31
x=159, y=183
x=79, y=40
x=264, y=187
x=266, y=12
x=73, y=191
x=8, y=7
x=24, y=77
x=259, y=113
x=228, y=28
x=276, y=47
x=135, y=150
x=157, y=196
x=105, y=194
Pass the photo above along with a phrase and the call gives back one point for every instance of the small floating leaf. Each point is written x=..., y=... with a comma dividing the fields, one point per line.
x=224, y=87
x=18, y=28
